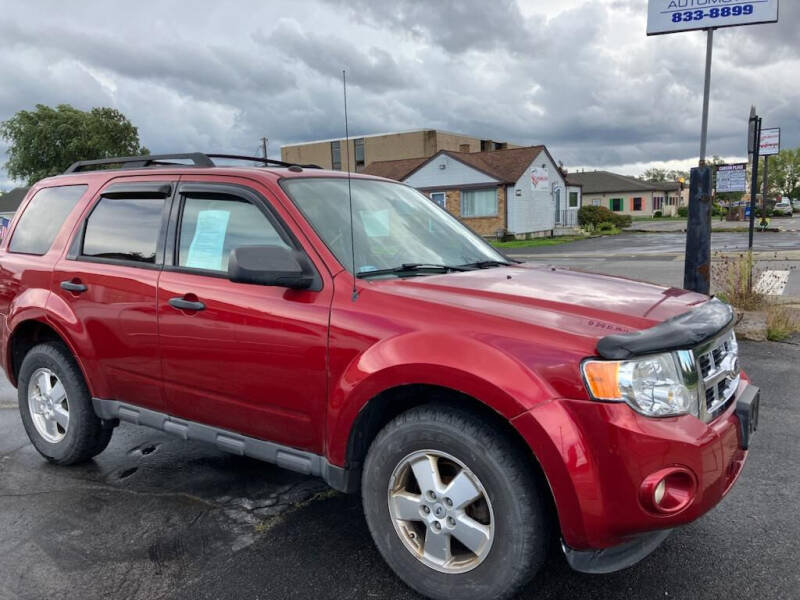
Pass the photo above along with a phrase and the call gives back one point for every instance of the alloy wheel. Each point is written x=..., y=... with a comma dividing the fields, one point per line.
x=48, y=405
x=441, y=511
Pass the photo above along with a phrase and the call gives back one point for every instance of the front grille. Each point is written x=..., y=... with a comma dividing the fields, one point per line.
x=718, y=363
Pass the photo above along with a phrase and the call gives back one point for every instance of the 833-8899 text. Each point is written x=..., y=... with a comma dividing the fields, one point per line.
x=713, y=13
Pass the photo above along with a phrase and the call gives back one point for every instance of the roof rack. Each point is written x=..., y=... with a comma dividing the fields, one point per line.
x=198, y=159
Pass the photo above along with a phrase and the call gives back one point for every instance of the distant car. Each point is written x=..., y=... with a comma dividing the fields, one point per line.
x=782, y=208
x=796, y=204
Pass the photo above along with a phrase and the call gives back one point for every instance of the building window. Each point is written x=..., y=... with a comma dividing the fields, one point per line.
x=359, y=152
x=573, y=199
x=336, y=156
x=637, y=204
x=479, y=203
x=438, y=198
x=658, y=203
x=616, y=204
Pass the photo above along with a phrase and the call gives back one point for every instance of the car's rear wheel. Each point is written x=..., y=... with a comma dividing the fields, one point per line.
x=453, y=505
x=56, y=407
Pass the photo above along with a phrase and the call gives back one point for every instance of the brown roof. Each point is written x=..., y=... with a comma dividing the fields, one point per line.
x=394, y=169
x=506, y=165
x=605, y=182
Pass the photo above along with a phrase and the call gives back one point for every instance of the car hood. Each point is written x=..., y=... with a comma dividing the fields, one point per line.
x=574, y=303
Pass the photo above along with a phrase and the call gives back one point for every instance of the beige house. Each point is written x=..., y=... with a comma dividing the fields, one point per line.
x=628, y=195
x=364, y=150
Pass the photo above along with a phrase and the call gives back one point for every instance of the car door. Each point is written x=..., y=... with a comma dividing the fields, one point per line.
x=241, y=357
x=107, y=283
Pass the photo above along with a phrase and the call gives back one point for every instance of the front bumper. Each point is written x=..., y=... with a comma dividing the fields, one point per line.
x=597, y=455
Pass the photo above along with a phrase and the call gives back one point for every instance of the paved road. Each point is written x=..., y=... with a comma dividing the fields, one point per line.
x=665, y=243
x=658, y=257
x=782, y=223
x=154, y=517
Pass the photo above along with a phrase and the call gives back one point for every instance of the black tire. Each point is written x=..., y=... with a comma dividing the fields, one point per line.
x=85, y=436
x=522, y=528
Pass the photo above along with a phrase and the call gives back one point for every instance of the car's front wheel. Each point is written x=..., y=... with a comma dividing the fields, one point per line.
x=453, y=505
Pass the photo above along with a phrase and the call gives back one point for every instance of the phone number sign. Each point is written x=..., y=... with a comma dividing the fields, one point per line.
x=671, y=16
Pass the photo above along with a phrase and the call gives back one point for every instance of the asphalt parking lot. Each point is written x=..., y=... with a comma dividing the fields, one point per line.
x=156, y=517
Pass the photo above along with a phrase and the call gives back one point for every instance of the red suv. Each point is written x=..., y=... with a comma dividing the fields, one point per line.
x=347, y=327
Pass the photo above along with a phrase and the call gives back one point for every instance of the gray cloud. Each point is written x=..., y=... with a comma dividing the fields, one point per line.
x=579, y=76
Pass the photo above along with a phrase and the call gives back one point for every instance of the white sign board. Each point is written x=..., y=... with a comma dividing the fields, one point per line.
x=670, y=16
x=540, y=179
x=732, y=178
x=770, y=142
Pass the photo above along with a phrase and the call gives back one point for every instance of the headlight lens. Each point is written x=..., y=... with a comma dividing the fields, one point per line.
x=652, y=385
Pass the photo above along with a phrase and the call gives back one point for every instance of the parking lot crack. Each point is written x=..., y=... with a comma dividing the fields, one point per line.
x=108, y=488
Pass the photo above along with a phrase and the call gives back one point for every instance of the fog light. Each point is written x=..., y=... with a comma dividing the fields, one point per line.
x=661, y=488
x=668, y=491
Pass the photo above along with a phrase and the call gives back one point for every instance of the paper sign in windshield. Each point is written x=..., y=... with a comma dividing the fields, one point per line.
x=205, y=251
x=376, y=224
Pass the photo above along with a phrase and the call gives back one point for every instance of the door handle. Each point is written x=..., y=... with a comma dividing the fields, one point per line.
x=74, y=286
x=184, y=304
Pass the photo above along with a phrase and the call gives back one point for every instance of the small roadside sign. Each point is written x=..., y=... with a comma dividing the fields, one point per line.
x=732, y=178
x=670, y=16
x=770, y=142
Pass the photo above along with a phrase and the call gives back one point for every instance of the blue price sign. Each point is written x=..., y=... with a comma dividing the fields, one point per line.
x=670, y=16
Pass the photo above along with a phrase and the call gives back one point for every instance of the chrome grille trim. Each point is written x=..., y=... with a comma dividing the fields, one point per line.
x=718, y=373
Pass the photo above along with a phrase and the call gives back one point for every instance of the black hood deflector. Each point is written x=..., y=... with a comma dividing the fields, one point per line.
x=678, y=333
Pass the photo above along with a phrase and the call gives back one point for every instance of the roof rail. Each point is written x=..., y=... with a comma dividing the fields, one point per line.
x=152, y=160
x=266, y=161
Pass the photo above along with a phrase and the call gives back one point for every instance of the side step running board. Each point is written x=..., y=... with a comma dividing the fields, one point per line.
x=284, y=456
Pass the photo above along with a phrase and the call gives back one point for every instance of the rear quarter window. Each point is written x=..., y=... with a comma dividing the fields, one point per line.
x=43, y=217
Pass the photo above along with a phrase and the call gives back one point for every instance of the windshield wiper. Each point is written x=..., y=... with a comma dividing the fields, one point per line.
x=485, y=264
x=412, y=268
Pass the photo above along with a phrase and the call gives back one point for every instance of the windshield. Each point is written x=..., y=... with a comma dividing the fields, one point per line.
x=394, y=225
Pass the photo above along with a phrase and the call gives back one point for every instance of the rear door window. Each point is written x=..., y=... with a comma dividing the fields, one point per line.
x=43, y=217
x=124, y=229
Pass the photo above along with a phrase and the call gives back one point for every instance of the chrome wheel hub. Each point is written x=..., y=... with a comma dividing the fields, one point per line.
x=48, y=405
x=441, y=511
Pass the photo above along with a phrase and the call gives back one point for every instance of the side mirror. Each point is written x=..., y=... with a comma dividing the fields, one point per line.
x=270, y=265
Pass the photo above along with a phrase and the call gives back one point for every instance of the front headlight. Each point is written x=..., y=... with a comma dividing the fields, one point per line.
x=654, y=385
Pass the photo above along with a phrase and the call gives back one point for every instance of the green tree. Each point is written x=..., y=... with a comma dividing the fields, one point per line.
x=783, y=177
x=45, y=141
x=656, y=175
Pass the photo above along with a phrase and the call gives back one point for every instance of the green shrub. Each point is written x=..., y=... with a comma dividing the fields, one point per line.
x=621, y=221
x=657, y=215
x=605, y=226
x=590, y=217
x=683, y=211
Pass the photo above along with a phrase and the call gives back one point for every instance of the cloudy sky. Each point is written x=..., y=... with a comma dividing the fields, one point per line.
x=577, y=75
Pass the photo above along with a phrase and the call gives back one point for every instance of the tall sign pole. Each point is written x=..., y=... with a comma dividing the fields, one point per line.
x=755, y=145
x=706, y=97
x=669, y=16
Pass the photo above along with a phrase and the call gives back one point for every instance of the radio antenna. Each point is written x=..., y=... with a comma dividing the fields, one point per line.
x=349, y=188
